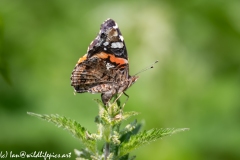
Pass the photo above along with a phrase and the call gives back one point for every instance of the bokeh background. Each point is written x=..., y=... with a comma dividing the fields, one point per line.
x=196, y=83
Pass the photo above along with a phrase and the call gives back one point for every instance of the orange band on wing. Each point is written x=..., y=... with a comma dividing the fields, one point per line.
x=112, y=58
x=82, y=58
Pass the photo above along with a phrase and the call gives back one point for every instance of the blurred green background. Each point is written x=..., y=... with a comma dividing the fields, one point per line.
x=196, y=83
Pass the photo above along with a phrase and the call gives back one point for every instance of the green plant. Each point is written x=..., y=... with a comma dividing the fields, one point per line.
x=118, y=141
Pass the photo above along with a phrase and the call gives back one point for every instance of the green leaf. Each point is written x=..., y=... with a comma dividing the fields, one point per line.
x=145, y=137
x=83, y=154
x=127, y=115
x=131, y=129
x=72, y=126
x=119, y=143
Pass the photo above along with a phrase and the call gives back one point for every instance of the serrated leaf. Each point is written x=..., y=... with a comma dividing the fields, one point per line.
x=132, y=158
x=82, y=154
x=127, y=115
x=125, y=157
x=72, y=126
x=145, y=137
x=131, y=129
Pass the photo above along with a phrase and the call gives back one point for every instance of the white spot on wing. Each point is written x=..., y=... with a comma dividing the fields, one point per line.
x=116, y=26
x=108, y=65
x=121, y=37
x=117, y=45
x=105, y=43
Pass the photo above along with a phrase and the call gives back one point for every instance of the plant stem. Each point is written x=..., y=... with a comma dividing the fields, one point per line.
x=107, y=148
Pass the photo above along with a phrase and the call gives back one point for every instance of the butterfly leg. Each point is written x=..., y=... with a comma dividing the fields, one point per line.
x=120, y=96
x=121, y=107
x=125, y=100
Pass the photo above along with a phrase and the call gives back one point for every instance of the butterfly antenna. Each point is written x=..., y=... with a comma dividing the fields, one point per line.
x=147, y=68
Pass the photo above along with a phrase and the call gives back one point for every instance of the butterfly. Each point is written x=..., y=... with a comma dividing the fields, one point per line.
x=104, y=68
